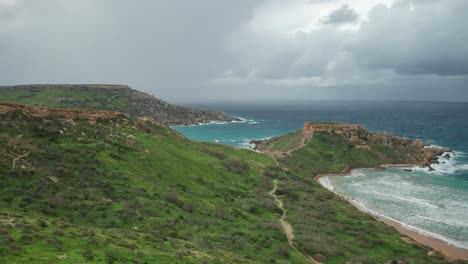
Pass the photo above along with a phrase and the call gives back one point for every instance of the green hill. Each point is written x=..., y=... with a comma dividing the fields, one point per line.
x=109, y=98
x=125, y=191
x=99, y=187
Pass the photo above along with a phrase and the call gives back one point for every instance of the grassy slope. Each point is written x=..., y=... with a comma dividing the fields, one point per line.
x=158, y=198
x=284, y=143
x=328, y=225
x=106, y=99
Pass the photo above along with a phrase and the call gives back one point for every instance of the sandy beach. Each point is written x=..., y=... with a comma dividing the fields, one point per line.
x=451, y=252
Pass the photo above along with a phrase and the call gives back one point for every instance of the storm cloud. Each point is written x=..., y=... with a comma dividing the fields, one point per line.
x=342, y=15
x=236, y=50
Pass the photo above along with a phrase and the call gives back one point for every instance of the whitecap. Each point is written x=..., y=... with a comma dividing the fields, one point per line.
x=444, y=221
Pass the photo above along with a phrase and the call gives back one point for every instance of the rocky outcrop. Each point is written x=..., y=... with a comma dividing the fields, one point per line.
x=338, y=128
x=358, y=137
x=69, y=114
x=145, y=105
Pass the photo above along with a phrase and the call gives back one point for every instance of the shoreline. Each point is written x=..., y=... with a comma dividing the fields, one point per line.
x=235, y=120
x=449, y=251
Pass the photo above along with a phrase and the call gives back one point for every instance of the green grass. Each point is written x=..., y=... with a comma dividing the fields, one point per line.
x=132, y=192
x=57, y=97
x=287, y=142
x=328, y=225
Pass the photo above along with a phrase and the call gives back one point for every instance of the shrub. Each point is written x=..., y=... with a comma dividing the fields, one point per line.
x=172, y=198
x=282, y=250
x=235, y=165
x=217, y=154
x=88, y=254
x=189, y=207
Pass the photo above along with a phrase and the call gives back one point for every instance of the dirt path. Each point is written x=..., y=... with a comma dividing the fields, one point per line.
x=301, y=144
x=282, y=154
x=287, y=228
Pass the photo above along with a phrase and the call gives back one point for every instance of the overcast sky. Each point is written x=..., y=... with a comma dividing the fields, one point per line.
x=226, y=50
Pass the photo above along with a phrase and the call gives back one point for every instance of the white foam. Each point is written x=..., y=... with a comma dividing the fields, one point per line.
x=444, y=221
x=446, y=166
x=432, y=211
x=410, y=227
x=246, y=144
x=325, y=181
x=449, y=166
x=241, y=120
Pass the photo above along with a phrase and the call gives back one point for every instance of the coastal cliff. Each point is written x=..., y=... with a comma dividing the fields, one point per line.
x=116, y=98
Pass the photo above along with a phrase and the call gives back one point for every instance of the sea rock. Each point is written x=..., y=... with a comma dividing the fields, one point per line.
x=408, y=170
x=446, y=156
x=430, y=168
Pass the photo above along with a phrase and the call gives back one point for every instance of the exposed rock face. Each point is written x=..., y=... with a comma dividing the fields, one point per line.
x=338, y=128
x=145, y=105
x=70, y=114
x=116, y=98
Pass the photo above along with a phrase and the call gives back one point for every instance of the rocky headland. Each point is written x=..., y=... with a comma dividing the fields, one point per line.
x=402, y=150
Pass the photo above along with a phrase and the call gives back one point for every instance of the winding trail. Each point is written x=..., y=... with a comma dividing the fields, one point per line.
x=304, y=138
x=288, y=152
x=287, y=228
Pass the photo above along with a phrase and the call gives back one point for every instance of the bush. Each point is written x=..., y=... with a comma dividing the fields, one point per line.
x=88, y=254
x=173, y=198
x=217, y=154
x=189, y=207
x=235, y=165
x=282, y=250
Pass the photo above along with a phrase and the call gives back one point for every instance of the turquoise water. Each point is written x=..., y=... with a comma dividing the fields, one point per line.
x=432, y=203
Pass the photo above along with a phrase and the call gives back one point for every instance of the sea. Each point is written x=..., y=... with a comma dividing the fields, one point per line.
x=433, y=203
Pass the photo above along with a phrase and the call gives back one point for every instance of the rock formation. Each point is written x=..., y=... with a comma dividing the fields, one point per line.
x=357, y=136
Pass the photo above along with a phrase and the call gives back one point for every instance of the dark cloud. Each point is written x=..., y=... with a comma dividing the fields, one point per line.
x=342, y=15
x=428, y=38
x=160, y=46
x=212, y=49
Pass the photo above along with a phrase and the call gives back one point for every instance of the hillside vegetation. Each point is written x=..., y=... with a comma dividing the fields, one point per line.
x=110, y=98
x=91, y=187
x=118, y=190
x=325, y=225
